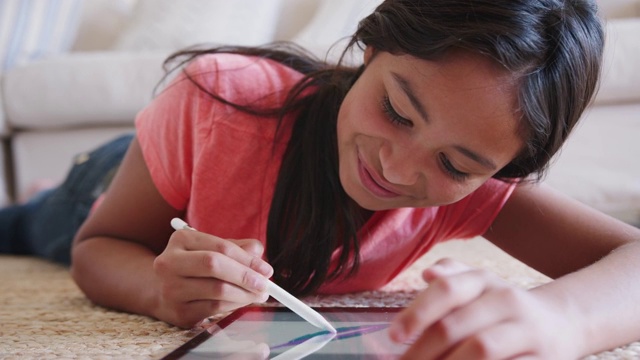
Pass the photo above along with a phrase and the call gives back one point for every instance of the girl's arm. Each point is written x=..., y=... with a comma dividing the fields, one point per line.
x=590, y=307
x=593, y=256
x=554, y=233
x=126, y=256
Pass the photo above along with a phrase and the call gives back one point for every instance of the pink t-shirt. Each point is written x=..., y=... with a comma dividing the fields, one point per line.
x=220, y=165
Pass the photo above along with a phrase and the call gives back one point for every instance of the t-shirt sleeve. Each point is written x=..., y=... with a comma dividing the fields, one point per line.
x=167, y=130
x=180, y=128
x=472, y=215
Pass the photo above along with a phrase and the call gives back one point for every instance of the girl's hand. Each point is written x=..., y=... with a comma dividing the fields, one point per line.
x=467, y=313
x=202, y=275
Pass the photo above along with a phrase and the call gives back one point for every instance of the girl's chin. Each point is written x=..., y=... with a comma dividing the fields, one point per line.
x=373, y=203
x=358, y=193
x=369, y=202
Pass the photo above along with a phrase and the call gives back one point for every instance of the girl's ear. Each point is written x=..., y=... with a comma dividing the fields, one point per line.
x=368, y=54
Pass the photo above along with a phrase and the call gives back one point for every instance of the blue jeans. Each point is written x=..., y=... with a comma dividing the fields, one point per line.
x=46, y=224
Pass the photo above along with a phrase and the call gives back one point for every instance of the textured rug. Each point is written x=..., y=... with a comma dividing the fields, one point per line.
x=43, y=315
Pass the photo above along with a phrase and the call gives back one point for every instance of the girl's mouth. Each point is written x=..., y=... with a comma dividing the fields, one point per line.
x=369, y=181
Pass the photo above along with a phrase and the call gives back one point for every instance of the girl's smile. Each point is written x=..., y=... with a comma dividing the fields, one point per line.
x=374, y=182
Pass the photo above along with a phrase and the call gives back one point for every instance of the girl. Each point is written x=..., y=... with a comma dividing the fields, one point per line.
x=333, y=179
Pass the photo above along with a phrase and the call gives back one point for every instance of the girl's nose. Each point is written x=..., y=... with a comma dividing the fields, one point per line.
x=400, y=165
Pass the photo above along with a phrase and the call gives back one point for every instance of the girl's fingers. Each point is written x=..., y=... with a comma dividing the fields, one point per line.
x=191, y=240
x=189, y=314
x=209, y=264
x=507, y=340
x=474, y=314
x=444, y=294
x=196, y=289
x=252, y=246
x=491, y=308
x=202, y=275
x=440, y=298
x=502, y=341
x=444, y=267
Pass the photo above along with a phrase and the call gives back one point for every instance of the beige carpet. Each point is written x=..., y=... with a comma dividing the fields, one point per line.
x=43, y=315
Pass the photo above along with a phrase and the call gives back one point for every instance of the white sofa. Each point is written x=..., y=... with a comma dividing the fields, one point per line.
x=55, y=107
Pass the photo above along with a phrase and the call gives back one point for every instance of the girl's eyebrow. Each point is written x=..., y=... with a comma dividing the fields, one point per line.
x=406, y=88
x=476, y=157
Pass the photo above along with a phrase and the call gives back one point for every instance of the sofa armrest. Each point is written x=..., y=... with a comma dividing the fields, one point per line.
x=81, y=89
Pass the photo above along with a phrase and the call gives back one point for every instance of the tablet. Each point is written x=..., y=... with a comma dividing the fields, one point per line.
x=256, y=332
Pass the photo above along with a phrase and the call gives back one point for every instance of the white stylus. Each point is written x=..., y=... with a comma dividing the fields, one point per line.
x=306, y=348
x=279, y=294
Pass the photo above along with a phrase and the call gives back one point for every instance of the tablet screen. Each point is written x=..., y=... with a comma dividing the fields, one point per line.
x=278, y=333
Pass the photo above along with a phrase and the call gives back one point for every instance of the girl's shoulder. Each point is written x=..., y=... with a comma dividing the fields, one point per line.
x=242, y=78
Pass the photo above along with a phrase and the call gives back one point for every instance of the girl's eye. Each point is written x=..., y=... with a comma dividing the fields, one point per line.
x=396, y=119
x=455, y=174
x=392, y=115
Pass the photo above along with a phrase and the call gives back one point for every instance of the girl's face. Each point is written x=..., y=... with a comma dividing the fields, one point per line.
x=417, y=133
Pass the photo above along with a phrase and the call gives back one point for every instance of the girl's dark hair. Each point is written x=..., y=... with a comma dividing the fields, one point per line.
x=553, y=48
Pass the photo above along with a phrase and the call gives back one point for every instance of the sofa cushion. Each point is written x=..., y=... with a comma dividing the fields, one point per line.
x=101, y=23
x=599, y=164
x=172, y=25
x=619, y=8
x=298, y=14
x=35, y=29
x=82, y=89
x=333, y=21
x=620, y=74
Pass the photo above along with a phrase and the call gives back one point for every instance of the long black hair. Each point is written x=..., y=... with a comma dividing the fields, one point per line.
x=553, y=48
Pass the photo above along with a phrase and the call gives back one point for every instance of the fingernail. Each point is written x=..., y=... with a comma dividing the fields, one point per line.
x=260, y=284
x=260, y=266
x=265, y=269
